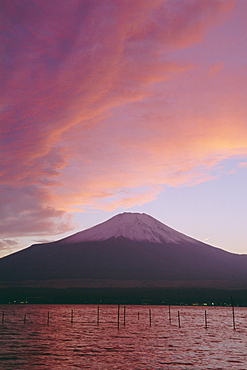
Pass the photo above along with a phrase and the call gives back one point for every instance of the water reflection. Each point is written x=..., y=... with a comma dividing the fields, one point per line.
x=112, y=339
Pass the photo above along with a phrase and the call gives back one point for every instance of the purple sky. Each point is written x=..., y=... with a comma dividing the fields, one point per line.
x=113, y=106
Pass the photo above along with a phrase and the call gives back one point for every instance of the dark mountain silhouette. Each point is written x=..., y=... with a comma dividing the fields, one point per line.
x=128, y=247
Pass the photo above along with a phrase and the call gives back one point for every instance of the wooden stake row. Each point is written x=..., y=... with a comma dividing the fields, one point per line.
x=124, y=317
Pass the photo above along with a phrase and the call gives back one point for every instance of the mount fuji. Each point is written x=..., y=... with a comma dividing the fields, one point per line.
x=130, y=249
x=132, y=226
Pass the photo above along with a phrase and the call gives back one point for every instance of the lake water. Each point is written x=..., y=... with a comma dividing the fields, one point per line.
x=55, y=337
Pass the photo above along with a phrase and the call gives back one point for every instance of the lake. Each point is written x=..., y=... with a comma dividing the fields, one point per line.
x=130, y=337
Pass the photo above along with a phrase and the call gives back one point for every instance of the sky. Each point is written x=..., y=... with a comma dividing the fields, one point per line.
x=123, y=106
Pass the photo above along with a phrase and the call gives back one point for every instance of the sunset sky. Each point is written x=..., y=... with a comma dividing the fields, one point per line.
x=111, y=106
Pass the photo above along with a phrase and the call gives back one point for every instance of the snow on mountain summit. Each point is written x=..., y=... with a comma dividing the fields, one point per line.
x=133, y=226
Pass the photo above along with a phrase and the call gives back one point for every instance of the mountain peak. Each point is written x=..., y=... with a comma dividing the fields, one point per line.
x=133, y=226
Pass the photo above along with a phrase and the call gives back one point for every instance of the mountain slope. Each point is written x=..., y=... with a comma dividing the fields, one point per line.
x=133, y=226
x=127, y=247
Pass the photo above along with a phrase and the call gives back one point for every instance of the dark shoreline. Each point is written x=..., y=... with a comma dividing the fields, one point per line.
x=152, y=296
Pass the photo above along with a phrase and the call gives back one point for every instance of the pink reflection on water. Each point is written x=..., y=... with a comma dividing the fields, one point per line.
x=112, y=338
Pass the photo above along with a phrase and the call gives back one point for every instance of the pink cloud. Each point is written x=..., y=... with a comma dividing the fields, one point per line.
x=7, y=243
x=215, y=68
x=25, y=211
x=99, y=112
x=243, y=164
x=7, y=246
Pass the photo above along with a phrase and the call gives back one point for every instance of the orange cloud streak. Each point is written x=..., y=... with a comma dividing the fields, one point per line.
x=102, y=107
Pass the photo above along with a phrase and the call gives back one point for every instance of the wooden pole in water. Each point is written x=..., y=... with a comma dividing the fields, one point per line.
x=3, y=317
x=124, y=315
x=150, y=317
x=98, y=315
x=118, y=317
x=179, y=320
x=169, y=313
x=25, y=318
x=48, y=318
x=72, y=317
x=233, y=314
x=206, y=322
